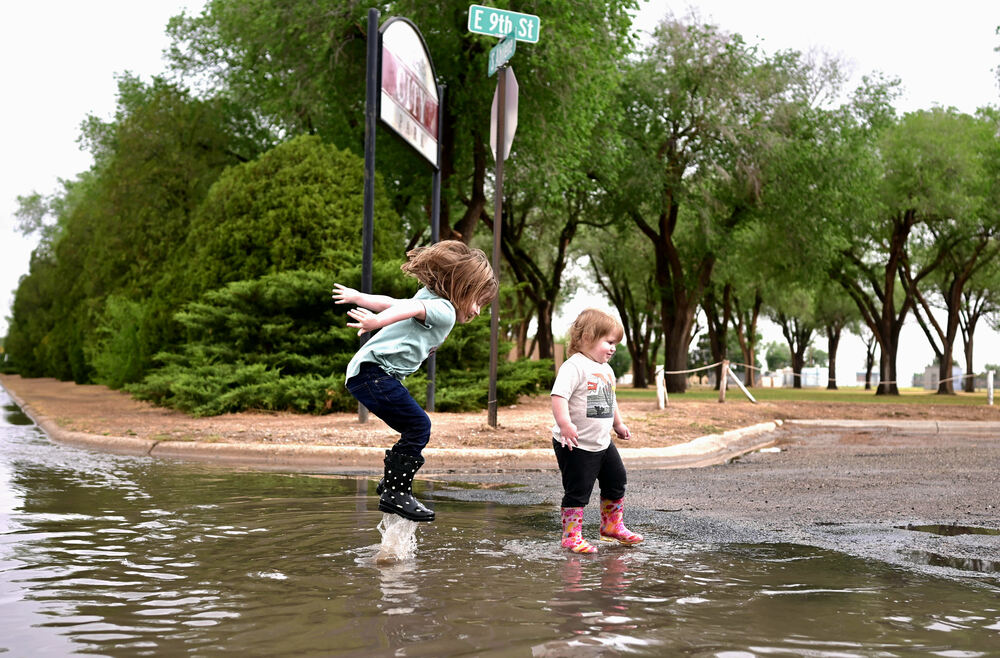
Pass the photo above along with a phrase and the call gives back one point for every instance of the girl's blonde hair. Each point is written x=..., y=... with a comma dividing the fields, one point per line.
x=590, y=326
x=455, y=271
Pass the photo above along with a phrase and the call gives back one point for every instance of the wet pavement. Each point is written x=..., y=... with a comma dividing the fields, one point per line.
x=859, y=489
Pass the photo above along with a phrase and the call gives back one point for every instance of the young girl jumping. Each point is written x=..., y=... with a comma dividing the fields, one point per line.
x=585, y=410
x=458, y=281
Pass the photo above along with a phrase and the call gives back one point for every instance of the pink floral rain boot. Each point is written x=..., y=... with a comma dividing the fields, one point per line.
x=572, y=524
x=612, y=527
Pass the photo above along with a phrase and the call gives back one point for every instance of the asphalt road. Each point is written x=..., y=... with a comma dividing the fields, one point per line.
x=854, y=489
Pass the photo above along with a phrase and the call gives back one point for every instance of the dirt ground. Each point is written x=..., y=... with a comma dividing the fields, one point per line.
x=102, y=411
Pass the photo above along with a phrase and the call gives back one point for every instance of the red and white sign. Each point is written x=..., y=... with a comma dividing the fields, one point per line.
x=409, y=103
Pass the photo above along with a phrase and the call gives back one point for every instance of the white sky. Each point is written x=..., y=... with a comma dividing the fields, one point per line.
x=60, y=58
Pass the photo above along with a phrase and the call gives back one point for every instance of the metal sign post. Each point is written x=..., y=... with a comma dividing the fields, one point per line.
x=510, y=26
x=501, y=155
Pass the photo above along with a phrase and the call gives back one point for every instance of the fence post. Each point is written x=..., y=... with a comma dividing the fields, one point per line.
x=740, y=384
x=989, y=387
x=723, y=377
x=661, y=388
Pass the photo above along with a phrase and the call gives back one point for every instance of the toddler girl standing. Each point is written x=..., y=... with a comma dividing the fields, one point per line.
x=585, y=410
x=458, y=282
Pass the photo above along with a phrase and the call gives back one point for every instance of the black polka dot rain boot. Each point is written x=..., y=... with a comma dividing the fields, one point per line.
x=397, y=487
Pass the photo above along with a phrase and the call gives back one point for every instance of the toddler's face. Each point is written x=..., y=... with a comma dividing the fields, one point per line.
x=603, y=348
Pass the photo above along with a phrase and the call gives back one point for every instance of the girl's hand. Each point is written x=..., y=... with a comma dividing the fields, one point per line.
x=365, y=320
x=345, y=295
x=621, y=429
x=568, y=436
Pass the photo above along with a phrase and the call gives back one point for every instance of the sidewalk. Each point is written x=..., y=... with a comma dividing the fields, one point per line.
x=705, y=450
x=702, y=451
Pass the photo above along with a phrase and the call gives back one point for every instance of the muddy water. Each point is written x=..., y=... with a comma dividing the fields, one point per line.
x=119, y=556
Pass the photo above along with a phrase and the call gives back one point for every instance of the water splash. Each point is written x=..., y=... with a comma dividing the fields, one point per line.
x=399, y=539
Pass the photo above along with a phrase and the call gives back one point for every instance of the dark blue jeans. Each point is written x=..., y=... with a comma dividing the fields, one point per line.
x=386, y=397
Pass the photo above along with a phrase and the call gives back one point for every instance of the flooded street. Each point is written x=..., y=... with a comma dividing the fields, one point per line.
x=108, y=555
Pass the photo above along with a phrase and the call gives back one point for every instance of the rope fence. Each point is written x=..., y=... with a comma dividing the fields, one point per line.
x=661, y=386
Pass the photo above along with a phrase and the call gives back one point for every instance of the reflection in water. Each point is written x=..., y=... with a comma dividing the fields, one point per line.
x=109, y=555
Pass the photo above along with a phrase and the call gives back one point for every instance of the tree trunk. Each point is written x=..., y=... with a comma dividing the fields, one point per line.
x=969, y=385
x=879, y=309
x=466, y=225
x=718, y=324
x=543, y=332
x=639, y=367
x=869, y=366
x=746, y=332
x=832, y=342
x=798, y=360
x=675, y=357
x=798, y=335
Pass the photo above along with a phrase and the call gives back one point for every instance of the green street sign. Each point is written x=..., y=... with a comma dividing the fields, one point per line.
x=500, y=22
x=501, y=53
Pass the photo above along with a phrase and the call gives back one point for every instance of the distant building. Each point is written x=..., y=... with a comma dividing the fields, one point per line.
x=875, y=378
x=932, y=377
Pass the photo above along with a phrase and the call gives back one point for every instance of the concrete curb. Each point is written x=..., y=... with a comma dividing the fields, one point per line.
x=971, y=428
x=703, y=451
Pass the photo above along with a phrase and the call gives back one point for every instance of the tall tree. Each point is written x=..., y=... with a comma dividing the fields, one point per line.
x=980, y=299
x=892, y=252
x=963, y=238
x=701, y=109
x=119, y=223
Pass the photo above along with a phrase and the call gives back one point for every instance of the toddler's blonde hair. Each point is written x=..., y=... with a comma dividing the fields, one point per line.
x=591, y=325
x=455, y=271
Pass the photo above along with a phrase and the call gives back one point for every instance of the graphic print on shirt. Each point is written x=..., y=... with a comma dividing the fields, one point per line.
x=600, y=396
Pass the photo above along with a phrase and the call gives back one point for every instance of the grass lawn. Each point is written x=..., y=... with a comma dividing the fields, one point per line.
x=852, y=395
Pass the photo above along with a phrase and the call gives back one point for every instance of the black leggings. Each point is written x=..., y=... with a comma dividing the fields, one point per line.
x=580, y=468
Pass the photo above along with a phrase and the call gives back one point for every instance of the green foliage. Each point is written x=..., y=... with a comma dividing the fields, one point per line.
x=275, y=343
x=620, y=362
x=778, y=356
x=120, y=351
x=111, y=231
x=463, y=372
x=299, y=206
x=279, y=343
x=816, y=357
x=468, y=390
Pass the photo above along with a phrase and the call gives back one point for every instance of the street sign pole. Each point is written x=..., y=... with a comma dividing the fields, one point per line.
x=510, y=26
x=501, y=155
x=368, y=222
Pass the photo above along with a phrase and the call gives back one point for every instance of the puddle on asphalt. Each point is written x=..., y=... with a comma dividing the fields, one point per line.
x=14, y=416
x=112, y=555
x=964, y=564
x=950, y=530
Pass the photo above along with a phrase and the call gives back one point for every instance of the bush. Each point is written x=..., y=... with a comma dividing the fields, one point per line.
x=121, y=350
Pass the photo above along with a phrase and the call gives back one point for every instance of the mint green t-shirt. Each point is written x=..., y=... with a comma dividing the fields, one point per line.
x=401, y=347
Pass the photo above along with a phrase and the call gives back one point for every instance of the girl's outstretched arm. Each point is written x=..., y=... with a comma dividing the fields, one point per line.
x=344, y=295
x=365, y=320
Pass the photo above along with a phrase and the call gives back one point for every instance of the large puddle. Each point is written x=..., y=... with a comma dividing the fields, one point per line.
x=116, y=556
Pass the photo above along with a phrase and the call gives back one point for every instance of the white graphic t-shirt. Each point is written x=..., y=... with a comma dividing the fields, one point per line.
x=589, y=387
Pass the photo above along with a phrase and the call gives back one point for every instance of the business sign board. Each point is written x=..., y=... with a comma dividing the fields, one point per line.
x=409, y=102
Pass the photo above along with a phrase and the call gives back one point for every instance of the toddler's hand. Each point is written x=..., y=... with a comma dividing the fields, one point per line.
x=365, y=320
x=568, y=436
x=345, y=295
x=621, y=429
